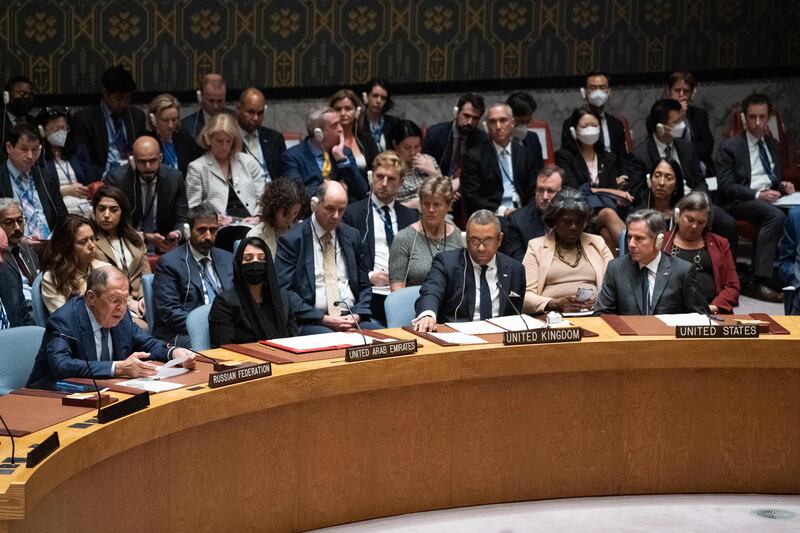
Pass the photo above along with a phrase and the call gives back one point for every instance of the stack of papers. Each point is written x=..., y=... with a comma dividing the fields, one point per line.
x=458, y=338
x=517, y=322
x=322, y=341
x=686, y=319
x=479, y=327
x=150, y=385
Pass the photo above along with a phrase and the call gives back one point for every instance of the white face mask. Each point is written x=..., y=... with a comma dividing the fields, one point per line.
x=520, y=132
x=589, y=135
x=676, y=132
x=598, y=98
x=58, y=138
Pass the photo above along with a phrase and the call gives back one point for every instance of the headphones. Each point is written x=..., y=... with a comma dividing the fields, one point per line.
x=131, y=162
x=742, y=117
x=187, y=231
x=41, y=132
x=659, y=240
x=364, y=96
x=6, y=97
x=677, y=213
x=573, y=132
x=318, y=135
x=660, y=129
x=369, y=178
x=583, y=93
x=649, y=181
x=199, y=96
x=152, y=119
x=455, y=111
x=463, y=284
x=358, y=112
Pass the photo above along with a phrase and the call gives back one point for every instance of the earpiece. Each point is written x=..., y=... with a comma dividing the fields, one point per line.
x=649, y=181
x=199, y=96
x=369, y=178
x=583, y=93
x=364, y=96
x=265, y=108
x=152, y=119
x=187, y=231
x=318, y=135
x=677, y=213
x=6, y=97
x=659, y=240
x=455, y=111
x=573, y=133
x=741, y=117
x=41, y=131
x=131, y=162
x=485, y=126
x=660, y=128
x=358, y=112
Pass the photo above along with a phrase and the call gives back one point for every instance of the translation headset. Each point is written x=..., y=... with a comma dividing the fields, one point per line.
x=364, y=96
x=659, y=240
x=318, y=135
x=583, y=93
x=455, y=111
x=369, y=206
x=463, y=284
x=6, y=97
x=573, y=133
x=152, y=119
x=660, y=129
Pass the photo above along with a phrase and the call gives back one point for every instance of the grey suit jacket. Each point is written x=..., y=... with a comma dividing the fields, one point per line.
x=675, y=290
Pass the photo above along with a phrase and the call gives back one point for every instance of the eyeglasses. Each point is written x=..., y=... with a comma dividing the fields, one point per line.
x=52, y=112
x=475, y=242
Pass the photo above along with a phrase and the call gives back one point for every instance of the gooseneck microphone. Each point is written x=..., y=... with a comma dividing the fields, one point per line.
x=349, y=310
x=216, y=362
x=10, y=436
x=85, y=360
x=509, y=300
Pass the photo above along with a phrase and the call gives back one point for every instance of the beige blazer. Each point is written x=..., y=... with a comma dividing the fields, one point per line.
x=205, y=182
x=139, y=266
x=53, y=299
x=266, y=232
x=540, y=255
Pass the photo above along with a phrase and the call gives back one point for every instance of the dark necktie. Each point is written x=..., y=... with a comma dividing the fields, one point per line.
x=762, y=154
x=211, y=284
x=486, y=296
x=387, y=225
x=120, y=139
x=645, y=291
x=149, y=220
x=4, y=322
x=455, y=160
x=23, y=267
x=104, y=354
x=668, y=152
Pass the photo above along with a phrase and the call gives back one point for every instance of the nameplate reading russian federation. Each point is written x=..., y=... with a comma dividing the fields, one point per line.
x=380, y=350
x=740, y=331
x=542, y=336
x=238, y=375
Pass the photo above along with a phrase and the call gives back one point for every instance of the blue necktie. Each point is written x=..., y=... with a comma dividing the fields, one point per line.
x=645, y=291
x=762, y=153
x=387, y=225
x=486, y=296
x=211, y=284
x=4, y=323
x=104, y=354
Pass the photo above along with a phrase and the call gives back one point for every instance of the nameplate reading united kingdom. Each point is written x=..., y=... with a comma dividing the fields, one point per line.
x=379, y=350
x=542, y=336
x=740, y=331
x=238, y=375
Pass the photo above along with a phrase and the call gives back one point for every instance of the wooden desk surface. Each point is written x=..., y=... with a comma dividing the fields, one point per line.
x=329, y=442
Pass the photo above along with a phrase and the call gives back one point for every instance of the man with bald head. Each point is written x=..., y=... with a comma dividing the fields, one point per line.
x=319, y=260
x=13, y=309
x=263, y=143
x=103, y=333
x=157, y=195
x=212, y=101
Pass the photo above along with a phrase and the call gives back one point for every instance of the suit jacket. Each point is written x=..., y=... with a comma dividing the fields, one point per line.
x=540, y=256
x=577, y=172
x=193, y=124
x=272, y=146
x=138, y=267
x=171, y=205
x=205, y=182
x=675, y=290
x=186, y=149
x=60, y=358
x=47, y=188
x=438, y=144
x=294, y=265
x=11, y=294
x=644, y=158
x=299, y=164
x=733, y=168
x=27, y=255
x=359, y=216
x=88, y=129
x=389, y=122
x=230, y=323
x=178, y=288
x=521, y=226
x=616, y=133
x=449, y=290
x=367, y=146
x=79, y=163
x=482, y=180
x=702, y=139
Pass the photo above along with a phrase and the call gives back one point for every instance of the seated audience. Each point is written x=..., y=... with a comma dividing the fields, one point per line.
x=682, y=87
x=225, y=177
x=378, y=219
x=16, y=110
x=319, y=260
x=13, y=309
x=499, y=174
x=447, y=142
x=526, y=223
x=156, y=194
x=360, y=141
x=283, y=202
x=20, y=255
x=68, y=258
x=414, y=247
x=189, y=276
x=709, y=254
x=323, y=156
x=255, y=308
x=494, y=281
x=376, y=120
x=178, y=148
x=646, y=281
x=523, y=106
x=564, y=269
x=212, y=102
x=264, y=144
x=118, y=243
x=405, y=138
x=103, y=334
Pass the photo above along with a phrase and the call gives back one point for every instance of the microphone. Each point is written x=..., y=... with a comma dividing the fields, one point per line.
x=341, y=303
x=509, y=300
x=10, y=436
x=85, y=360
x=218, y=365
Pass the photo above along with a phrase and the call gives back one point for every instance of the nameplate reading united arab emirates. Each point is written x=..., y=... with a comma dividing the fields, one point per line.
x=238, y=375
x=740, y=331
x=380, y=350
x=542, y=336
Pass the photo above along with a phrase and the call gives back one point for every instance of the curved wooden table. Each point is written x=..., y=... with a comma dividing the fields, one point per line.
x=329, y=442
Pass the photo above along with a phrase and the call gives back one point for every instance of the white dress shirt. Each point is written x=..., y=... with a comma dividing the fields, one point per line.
x=491, y=279
x=343, y=282
x=381, y=244
x=759, y=179
x=510, y=197
x=604, y=132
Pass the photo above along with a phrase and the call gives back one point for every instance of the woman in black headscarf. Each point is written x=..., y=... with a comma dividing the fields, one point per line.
x=255, y=308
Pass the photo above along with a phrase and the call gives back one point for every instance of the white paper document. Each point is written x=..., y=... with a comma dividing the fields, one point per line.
x=458, y=338
x=151, y=385
x=685, y=319
x=478, y=327
x=324, y=341
x=788, y=200
x=517, y=322
x=170, y=368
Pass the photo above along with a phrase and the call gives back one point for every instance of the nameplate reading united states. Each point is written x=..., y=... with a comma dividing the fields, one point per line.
x=238, y=375
x=542, y=336
x=741, y=331
x=379, y=350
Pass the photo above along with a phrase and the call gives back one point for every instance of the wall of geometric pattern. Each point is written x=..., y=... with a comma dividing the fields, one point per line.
x=64, y=45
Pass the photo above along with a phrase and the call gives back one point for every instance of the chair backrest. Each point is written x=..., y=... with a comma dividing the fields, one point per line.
x=399, y=307
x=149, y=309
x=197, y=328
x=227, y=236
x=40, y=312
x=628, y=134
x=292, y=139
x=542, y=129
x=16, y=364
x=623, y=242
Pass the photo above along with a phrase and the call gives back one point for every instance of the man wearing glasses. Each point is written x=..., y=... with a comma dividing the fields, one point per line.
x=473, y=284
x=20, y=255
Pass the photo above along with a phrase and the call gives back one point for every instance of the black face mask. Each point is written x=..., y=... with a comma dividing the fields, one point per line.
x=21, y=106
x=254, y=272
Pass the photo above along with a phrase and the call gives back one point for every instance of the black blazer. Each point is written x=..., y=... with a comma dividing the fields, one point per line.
x=272, y=145
x=89, y=129
x=359, y=216
x=482, y=180
x=702, y=138
x=11, y=294
x=171, y=208
x=193, y=124
x=438, y=144
x=644, y=158
x=367, y=146
x=522, y=226
x=733, y=168
x=229, y=322
x=616, y=132
x=186, y=149
x=47, y=188
x=577, y=172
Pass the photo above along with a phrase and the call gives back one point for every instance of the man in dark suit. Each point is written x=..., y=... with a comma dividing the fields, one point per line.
x=378, y=219
x=682, y=87
x=20, y=257
x=473, y=284
x=750, y=182
x=13, y=310
x=646, y=281
x=526, y=223
x=103, y=333
x=35, y=189
x=157, y=195
x=189, y=276
x=447, y=142
x=16, y=111
x=212, y=101
x=265, y=144
x=323, y=156
x=108, y=129
x=319, y=260
x=499, y=174
x=524, y=106
x=612, y=132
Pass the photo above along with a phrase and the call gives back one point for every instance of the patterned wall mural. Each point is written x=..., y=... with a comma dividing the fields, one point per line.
x=64, y=45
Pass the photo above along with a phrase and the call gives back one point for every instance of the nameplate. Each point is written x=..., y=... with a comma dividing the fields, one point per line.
x=380, y=350
x=238, y=375
x=739, y=331
x=542, y=336
x=42, y=450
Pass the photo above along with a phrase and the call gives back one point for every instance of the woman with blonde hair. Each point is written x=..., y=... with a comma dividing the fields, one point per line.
x=178, y=148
